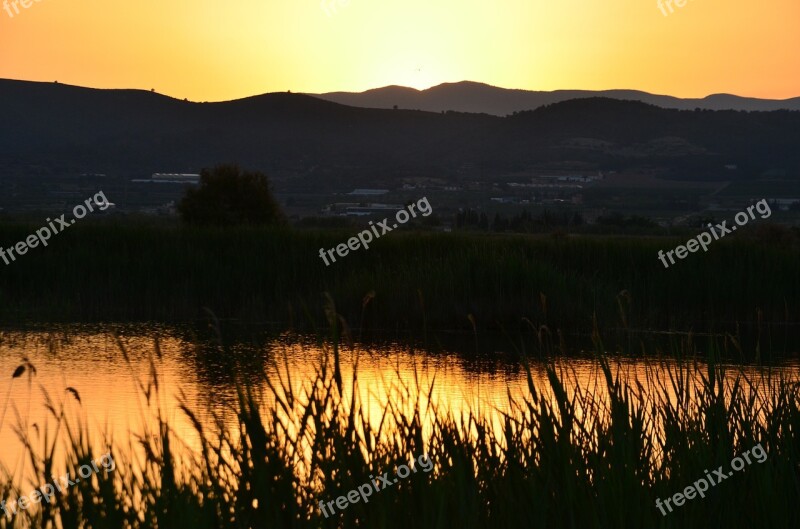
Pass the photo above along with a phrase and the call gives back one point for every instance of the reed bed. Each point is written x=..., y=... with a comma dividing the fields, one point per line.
x=139, y=272
x=567, y=455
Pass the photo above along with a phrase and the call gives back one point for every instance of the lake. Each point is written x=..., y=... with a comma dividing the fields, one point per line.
x=197, y=373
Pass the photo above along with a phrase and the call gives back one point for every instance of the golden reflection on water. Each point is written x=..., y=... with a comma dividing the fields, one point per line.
x=114, y=405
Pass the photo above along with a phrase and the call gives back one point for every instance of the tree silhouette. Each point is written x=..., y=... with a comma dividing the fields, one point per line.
x=229, y=196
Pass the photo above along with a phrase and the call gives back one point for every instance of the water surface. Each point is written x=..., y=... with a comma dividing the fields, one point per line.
x=118, y=399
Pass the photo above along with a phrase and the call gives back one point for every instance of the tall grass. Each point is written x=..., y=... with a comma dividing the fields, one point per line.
x=124, y=272
x=565, y=456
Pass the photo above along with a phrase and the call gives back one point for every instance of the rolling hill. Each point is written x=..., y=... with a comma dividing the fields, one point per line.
x=52, y=128
x=473, y=97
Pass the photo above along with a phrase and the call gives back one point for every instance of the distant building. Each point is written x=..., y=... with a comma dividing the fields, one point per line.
x=572, y=178
x=371, y=209
x=169, y=178
x=176, y=178
x=783, y=203
x=368, y=192
x=356, y=209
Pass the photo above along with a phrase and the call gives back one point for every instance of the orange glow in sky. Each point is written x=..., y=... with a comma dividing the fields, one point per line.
x=211, y=50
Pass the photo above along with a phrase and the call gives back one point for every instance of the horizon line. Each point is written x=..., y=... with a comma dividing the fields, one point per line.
x=410, y=88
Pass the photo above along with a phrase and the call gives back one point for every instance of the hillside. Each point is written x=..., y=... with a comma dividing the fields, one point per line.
x=50, y=128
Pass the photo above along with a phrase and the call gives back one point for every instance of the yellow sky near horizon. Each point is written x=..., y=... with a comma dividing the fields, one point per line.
x=210, y=51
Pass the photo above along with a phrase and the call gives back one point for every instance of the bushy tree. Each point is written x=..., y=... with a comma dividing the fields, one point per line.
x=229, y=196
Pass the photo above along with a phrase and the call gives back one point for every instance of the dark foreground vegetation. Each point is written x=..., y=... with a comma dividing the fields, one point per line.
x=411, y=280
x=562, y=458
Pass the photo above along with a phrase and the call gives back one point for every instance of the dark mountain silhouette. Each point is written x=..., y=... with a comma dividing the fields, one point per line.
x=55, y=129
x=473, y=97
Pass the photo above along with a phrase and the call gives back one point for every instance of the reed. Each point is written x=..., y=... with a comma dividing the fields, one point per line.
x=566, y=456
x=147, y=272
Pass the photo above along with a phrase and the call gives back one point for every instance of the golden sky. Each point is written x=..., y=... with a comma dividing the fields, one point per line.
x=212, y=50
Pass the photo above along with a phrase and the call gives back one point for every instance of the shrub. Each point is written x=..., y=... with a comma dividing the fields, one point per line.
x=229, y=196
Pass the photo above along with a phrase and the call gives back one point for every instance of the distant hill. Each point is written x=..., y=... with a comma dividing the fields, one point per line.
x=52, y=128
x=482, y=98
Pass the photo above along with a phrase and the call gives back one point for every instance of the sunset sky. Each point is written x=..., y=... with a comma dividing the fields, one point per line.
x=210, y=50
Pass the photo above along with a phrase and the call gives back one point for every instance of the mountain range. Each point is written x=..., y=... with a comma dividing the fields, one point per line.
x=474, y=97
x=57, y=129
